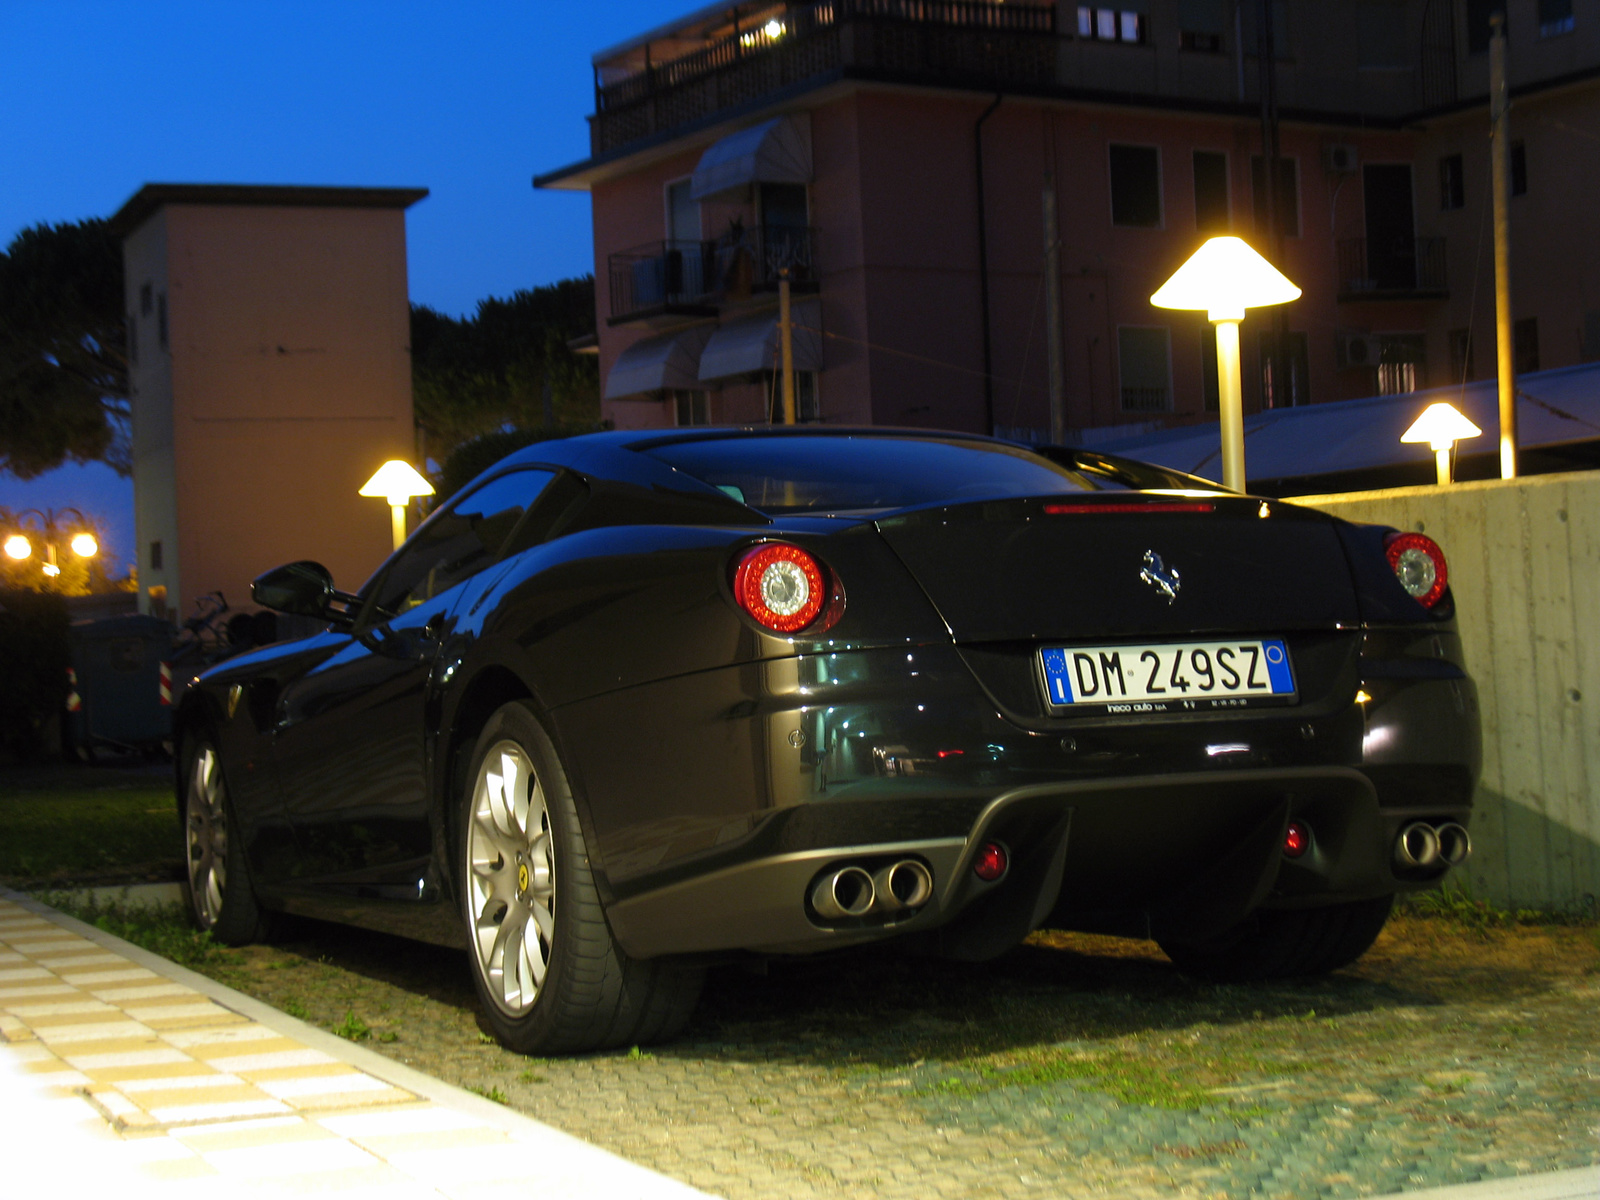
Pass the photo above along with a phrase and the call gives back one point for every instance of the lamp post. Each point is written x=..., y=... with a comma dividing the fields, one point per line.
x=397, y=482
x=1224, y=277
x=19, y=546
x=1441, y=426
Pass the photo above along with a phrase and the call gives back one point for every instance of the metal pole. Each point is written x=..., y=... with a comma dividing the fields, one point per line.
x=1441, y=466
x=397, y=523
x=1500, y=163
x=1230, y=405
x=1052, y=313
x=786, y=342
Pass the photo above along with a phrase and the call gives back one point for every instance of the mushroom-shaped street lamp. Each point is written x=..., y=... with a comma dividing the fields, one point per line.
x=1441, y=426
x=397, y=482
x=1224, y=277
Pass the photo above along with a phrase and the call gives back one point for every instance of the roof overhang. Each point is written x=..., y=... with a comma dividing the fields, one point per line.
x=144, y=203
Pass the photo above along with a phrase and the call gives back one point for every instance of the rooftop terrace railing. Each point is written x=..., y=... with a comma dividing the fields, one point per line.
x=973, y=41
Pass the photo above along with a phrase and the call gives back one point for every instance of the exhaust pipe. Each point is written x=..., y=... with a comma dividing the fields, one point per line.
x=905, y=884
x=1454, y=843
x=847, y=892
x=1417, y=845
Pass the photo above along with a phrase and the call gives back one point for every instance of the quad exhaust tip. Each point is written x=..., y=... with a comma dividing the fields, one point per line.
x=852, y=892
x=1421, y=845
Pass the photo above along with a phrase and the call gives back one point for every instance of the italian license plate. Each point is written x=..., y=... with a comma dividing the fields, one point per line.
x=1171, y=677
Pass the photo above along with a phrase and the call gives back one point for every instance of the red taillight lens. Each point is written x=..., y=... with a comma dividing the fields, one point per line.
x=781, y=586
x=1419, y=565
x=990, y=862
x=1296, y=840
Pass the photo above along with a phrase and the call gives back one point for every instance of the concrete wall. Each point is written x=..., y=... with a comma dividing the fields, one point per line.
x=1524, y=558
x=286, y=382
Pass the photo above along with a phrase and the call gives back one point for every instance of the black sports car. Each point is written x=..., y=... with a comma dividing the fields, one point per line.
x=637, y=702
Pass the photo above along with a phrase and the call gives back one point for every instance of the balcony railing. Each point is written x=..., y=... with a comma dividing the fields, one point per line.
x=971, y=41
x=1402, y=268
x=694, y=278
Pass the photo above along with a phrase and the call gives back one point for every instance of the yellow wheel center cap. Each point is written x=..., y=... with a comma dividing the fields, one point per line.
x=522, y=877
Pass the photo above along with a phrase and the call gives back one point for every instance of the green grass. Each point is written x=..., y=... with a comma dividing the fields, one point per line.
x=1457, y=904
x=161, y=929
x=53, y=832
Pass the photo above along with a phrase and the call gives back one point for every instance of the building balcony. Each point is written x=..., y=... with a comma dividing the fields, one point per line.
x=695, y=279
x=971, y=42
x=1409, y=268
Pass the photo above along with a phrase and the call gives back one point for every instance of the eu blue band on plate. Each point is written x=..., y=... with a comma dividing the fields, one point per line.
x=1277, y=657
x=1055, y=671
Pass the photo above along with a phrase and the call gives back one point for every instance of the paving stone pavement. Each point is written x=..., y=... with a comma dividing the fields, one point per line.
x=116, y=1073
x=786, y=1104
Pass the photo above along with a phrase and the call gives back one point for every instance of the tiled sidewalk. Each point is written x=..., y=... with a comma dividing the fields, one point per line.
x=119, y=1068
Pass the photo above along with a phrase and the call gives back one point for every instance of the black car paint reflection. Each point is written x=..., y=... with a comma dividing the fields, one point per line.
x=718, y=769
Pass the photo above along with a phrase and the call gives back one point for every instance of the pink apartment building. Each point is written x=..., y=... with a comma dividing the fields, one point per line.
x=892, y=156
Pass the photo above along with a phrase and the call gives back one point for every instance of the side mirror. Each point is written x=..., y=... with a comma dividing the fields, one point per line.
x=301, y=589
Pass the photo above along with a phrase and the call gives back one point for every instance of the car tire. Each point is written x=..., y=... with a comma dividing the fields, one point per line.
x=549, y=975
x=216, y=878
x=1284, y=943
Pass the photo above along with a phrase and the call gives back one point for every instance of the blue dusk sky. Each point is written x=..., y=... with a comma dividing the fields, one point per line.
x=466, y=99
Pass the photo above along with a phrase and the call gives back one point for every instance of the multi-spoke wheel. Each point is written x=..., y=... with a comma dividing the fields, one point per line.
x=552, y=978
x=217, y=880
x=511, y=885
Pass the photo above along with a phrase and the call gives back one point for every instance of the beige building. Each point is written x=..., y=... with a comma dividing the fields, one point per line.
x=268, y=332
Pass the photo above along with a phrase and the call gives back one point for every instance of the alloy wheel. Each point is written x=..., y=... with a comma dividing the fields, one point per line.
x=206, y=834
x=511, y=878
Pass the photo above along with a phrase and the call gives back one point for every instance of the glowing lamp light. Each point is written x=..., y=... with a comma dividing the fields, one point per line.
x=1222, y=279
x=397, y=482
x=1441, y=426
x=84, y=545
x=51, y=569
x=773, y=28
x=18, y=547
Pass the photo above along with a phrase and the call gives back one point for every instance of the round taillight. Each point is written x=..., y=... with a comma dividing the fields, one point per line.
x=990, y=863
x=1296, y=840
x=781, y=586
x=1419, y=565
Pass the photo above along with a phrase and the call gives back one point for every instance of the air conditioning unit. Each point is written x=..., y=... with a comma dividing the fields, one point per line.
x=1340, y=158
x=1359, y=350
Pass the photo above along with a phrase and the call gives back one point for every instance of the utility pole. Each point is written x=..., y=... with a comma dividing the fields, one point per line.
x=1052, y=312
x=1267, y=61
x=786, y=342
x=1500, y=173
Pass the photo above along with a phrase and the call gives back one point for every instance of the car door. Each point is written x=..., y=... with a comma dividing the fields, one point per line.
x=351, y=736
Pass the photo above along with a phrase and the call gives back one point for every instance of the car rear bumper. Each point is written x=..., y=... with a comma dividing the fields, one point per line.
x=781, y=773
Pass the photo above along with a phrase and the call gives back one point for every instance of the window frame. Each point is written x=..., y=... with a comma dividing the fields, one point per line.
x=1160, y=185
x=1123, y=387
x=667, y=224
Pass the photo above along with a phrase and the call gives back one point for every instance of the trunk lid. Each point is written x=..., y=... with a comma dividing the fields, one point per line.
x=1123, y=564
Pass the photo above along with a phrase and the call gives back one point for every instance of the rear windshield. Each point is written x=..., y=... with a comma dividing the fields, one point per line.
x=853, y=474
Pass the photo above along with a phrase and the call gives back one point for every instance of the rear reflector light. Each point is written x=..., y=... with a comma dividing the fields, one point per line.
x=1057, y=510
x=781, y=586
x=1296, y=840
x=990, y=863
x=1419, y=565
